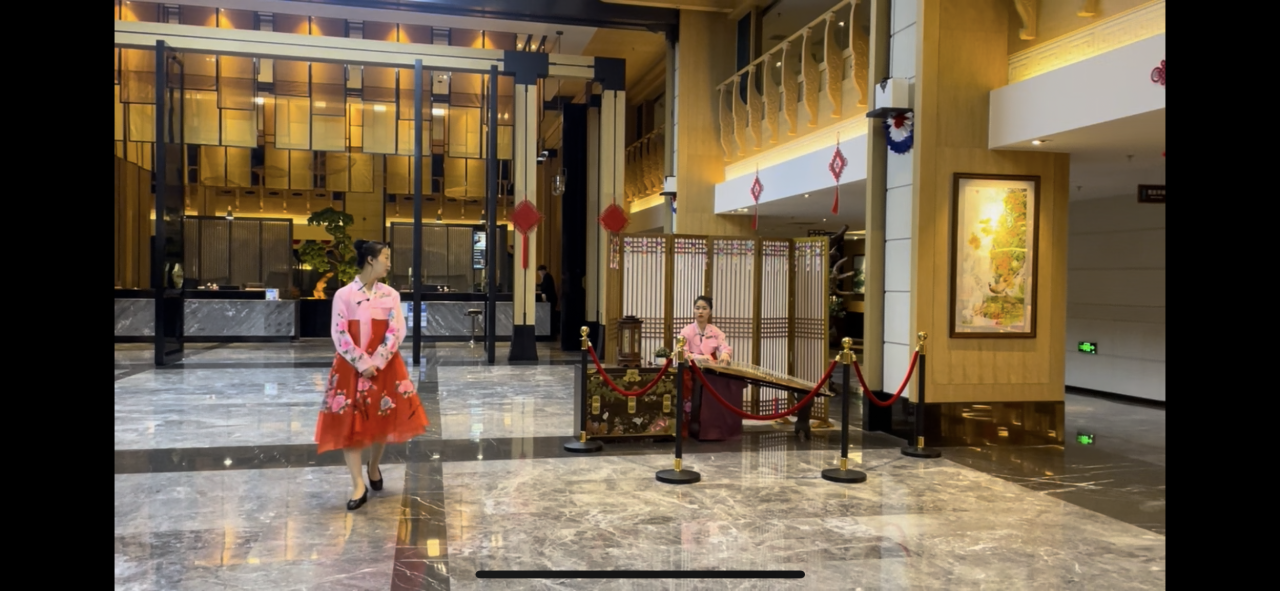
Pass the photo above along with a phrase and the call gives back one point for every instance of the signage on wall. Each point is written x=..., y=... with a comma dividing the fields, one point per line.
x=1084, y=438
x=1090, y=348
x=1157, y=75
x=1150, y=193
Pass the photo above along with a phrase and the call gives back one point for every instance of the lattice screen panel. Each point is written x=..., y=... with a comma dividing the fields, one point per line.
x=644, y=285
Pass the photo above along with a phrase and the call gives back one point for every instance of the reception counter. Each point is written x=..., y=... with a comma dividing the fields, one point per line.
x=444, y=316
x=211, y=316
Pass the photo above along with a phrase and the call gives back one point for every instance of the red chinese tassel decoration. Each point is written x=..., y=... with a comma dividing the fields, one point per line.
x=837, y=166
x=756, y=190
x=525, y=218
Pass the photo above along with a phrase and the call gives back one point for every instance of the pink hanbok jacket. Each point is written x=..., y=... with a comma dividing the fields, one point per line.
x=710, y=342
x=352, y=303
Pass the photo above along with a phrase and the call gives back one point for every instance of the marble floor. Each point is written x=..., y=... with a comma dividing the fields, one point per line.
x=218, y=486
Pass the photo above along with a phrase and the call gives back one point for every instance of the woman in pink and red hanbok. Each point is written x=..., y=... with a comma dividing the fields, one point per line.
x=706, y=345
x=371, y=398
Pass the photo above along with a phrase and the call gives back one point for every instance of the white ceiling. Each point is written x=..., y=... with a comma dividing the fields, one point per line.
x=793, y=215
x=1100, y=155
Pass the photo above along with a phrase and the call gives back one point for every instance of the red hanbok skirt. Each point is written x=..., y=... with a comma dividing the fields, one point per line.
x=358, y=411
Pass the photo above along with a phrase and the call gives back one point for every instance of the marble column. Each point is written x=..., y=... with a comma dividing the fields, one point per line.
x=525, y=177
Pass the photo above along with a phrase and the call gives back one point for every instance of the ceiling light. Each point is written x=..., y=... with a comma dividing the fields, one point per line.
x=806, y=195
x=778, y=64
x=841, y=23
x=1038, y=142
x=437, y=111
x=259, y=100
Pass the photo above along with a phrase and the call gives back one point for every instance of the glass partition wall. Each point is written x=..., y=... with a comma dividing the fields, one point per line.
x=265, y=139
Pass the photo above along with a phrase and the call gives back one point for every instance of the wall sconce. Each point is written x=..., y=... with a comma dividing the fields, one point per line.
x=229, y=214
x=557, y=183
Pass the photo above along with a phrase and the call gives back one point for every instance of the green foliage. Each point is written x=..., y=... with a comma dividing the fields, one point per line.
x=339, y=256
x=662, y=353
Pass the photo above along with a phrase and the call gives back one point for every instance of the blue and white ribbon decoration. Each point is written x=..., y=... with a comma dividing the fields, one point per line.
x=899, y=133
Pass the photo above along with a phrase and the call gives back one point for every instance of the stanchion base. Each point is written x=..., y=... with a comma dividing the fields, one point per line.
x=583, y=447
x=678, y=476
x=921, y=452
x=844, y=476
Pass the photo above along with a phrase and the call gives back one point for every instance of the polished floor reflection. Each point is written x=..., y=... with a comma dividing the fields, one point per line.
x=218, y=486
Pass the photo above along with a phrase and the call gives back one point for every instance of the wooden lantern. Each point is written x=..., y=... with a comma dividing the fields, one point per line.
x=629, y=341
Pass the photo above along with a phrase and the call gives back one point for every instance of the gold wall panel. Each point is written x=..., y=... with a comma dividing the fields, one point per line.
x=337, y=171
x=275, y=174
x=212, y=166
x=200, y=117
x=302, y=172
x=142, y=122
x=119, y=131
x=361, y=173
x=379, y=128
x=397, y=174
x=293, y=123
x=138, y=76
x=239, y=167
x=239, y=128
x=464, y=132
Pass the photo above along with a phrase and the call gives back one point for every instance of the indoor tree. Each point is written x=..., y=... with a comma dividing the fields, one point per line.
x=337, y=257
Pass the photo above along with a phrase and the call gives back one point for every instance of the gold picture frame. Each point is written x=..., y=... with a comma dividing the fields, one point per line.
x=994, y=255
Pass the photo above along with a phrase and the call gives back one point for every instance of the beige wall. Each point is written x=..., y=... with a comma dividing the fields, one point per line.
x=1116, y=296
x=1058, y=17
x=962, y=56
x=705, y=57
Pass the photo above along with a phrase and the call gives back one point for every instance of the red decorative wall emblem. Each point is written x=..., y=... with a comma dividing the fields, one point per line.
x=525, y=218
x=613, y=218
x=1157, y=75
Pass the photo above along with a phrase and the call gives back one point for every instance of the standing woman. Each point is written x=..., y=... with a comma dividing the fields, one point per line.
x=371, y=398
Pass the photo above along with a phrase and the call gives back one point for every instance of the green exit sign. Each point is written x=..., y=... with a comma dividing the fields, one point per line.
x=1090, y=348
x=1084, y=438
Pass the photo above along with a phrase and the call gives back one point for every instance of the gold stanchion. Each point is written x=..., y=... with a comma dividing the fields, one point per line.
x=679, y=475
x=582, y=445
x=919, y=450
x=843, y=474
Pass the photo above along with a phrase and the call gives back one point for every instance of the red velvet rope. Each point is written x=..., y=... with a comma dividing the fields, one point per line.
x=746, y=415
x=866, y=390
x=615, y=387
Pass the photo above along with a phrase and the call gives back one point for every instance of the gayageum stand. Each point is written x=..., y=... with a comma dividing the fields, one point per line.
x=919, y=450
x=843, y=474
x=583, y=445
x=679, y=475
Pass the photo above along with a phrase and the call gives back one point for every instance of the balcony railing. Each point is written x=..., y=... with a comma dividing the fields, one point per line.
x=790, y=74
x=645, y=159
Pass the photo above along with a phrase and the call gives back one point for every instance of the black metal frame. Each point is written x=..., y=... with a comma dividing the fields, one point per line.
x=168, y=302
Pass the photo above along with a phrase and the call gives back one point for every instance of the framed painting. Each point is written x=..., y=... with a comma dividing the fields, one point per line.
x=994, y=250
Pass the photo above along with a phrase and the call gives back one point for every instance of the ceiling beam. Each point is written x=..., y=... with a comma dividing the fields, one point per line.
x=725, y=6
x=588, y=13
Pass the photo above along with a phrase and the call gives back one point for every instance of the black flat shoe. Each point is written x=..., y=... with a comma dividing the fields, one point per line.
x=375, y=484
x=354, y=504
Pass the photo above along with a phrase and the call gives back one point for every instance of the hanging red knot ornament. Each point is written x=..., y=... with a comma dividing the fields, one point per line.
x=525, y=218
x=613, y=218
x=756, y=190
x=837, y=166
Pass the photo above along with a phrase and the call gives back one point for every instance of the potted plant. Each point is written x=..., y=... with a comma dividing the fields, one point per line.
x=660, y=356
x=335, y=258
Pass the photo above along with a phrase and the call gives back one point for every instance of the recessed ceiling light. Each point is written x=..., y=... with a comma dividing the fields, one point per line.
x=842, y=23
x=778, y=64
x=806, y=195
x=1038, y=142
